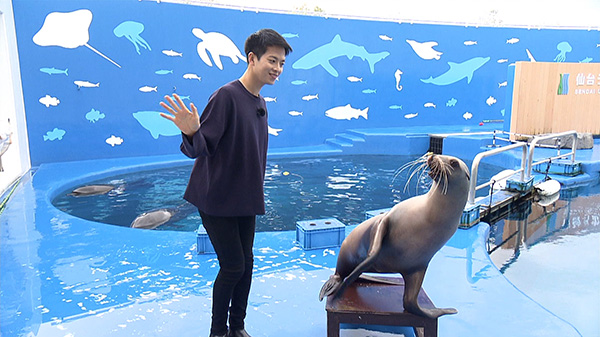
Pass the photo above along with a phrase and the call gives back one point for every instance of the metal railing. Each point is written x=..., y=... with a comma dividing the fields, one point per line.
x=475, y=167
x=526, y=159
x=537, y=139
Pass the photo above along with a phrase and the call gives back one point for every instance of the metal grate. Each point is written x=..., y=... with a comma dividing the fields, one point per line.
x=436, y=144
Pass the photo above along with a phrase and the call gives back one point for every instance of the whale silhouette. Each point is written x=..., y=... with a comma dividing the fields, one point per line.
x=157, y=125
x=217, y=45
x=458, y=71
x=336, y=48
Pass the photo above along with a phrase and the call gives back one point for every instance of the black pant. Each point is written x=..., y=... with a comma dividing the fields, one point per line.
x=232, y=238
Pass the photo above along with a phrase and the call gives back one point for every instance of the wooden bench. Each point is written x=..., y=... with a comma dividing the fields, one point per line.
x=372, y=303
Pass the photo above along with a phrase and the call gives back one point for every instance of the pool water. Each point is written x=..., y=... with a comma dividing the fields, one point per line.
x=552, y=254
x=295, y=189
x=343, y=187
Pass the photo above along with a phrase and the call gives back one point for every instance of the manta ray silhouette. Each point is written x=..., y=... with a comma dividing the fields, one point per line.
x=321, y=56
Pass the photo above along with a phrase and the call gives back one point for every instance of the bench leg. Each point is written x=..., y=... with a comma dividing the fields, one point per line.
x=430, y=329
x=333, y=326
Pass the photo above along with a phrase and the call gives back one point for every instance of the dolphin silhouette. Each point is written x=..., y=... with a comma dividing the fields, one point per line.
x=458, y=71
x=336, y=48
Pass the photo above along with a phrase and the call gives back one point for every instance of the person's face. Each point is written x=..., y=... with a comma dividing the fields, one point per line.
x=270, y=65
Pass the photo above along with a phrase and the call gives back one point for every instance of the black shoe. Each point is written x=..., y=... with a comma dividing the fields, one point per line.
x=238, y=333
x=215, y=335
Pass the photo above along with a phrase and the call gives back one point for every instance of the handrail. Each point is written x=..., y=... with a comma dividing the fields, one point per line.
x=475, y=166
x=534, y=142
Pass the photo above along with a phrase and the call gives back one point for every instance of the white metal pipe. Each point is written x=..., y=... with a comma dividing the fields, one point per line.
x=480, y=156
x=534, y=142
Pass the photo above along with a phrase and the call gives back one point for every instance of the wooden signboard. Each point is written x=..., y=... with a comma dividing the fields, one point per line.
x=556, y=97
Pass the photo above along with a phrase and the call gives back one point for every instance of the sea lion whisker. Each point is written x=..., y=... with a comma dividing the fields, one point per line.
x=421, y=170
x=410, y=165
x=411, y=169
x=422, y=178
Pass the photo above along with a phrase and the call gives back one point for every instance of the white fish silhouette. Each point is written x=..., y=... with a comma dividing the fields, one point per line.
x=295, y=113
x=397, y=75
x=503, y=84
x=490, y=101
x=502, y=60
x=470, y=43
x=467, y=115
x=310, y=97
x=429, y=105
x=354, y=79
x=385, y=38
x=49, y=100
x=409, y=116
x=172, y=53
x=273, y=131
x=425, y=49
x=148, y=89
x=114, y=140
x=271, y=99
x=86, y=84
x=191, y=76
x=512, y=40
x=346, y=112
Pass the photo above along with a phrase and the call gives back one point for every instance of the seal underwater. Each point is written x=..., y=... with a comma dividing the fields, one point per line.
x=405, y=239
x=89, y=190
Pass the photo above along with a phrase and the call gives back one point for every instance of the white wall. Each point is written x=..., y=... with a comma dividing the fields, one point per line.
x=16, y=160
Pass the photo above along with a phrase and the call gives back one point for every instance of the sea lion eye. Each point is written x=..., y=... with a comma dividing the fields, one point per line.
x=454, y=162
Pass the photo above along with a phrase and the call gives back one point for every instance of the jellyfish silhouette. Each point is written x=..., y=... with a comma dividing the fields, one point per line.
x=68, y=30
x=564, y=48
x=132, y=30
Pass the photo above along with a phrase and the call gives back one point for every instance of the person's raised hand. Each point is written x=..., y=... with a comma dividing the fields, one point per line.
x=187, y=120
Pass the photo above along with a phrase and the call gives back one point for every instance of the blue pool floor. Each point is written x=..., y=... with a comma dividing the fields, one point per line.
x=64, y=276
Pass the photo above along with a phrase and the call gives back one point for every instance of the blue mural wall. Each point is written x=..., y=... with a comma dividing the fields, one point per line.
x=93, y=72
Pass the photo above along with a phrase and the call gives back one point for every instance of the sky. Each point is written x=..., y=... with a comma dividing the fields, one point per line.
x=520, y=13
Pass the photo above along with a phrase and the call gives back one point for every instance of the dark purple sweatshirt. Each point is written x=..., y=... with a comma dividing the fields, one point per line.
x=230, y=149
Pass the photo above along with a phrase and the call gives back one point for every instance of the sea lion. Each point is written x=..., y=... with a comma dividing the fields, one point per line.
x=405, y=239
x=153, y=219
x=91, y=190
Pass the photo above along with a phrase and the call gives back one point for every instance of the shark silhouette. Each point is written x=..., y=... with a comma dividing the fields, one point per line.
x=458, y=71
x=336, y=48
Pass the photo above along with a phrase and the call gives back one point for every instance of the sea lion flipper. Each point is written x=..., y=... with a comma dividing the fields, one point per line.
x=413, y=282
x=331, y=286
x=378, y=232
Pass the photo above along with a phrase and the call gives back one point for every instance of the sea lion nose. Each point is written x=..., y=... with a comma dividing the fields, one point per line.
x=430, y=160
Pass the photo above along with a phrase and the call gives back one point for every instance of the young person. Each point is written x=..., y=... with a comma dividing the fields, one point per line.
x=229, y=143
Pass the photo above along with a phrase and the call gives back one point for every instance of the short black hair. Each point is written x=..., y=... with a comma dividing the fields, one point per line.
x=259, y=41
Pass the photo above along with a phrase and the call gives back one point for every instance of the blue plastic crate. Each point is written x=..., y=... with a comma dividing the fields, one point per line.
x=203, y=246
x=519, y=186
x=470, y=216
x=376, y=212
x=561, y=167
x=321, y=233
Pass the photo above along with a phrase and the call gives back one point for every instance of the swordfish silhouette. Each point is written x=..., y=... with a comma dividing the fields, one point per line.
x=336, y=48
